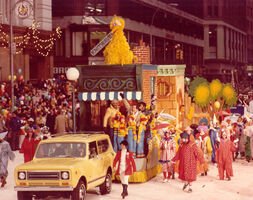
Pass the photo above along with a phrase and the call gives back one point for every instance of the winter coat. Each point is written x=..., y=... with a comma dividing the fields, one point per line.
x=60, y=124
x=188, y=154
x=28, y=149
x=130, y=164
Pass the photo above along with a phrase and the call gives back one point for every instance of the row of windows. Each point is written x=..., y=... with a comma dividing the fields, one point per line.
x=160, y=18
x=163, y=51
x=95, y=7
x=234, y=43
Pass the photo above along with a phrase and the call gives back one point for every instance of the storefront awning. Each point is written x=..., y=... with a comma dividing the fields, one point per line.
x=94, y=96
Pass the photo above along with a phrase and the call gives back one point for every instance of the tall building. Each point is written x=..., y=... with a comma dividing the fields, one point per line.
x=174, y=36
x=226, y=35
x=31, y=41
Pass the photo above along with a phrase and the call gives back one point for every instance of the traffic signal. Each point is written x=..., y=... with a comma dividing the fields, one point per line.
x=181, y=54
x=177, y=54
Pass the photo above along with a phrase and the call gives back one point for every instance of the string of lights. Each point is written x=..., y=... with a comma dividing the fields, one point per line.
x=33, y=38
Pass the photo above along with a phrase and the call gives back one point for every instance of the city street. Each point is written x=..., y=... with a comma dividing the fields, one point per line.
x=205, y=188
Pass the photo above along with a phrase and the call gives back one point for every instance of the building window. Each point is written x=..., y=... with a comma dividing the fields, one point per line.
x=95, y=7
x=79, y=44
x=134, y=39
x=95, y=38
x=209, y=11
x=163, y=89
x=215, y=11
x=212, y=36
x=59, y=47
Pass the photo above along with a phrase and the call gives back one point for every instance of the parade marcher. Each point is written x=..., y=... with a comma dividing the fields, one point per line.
x=187, y=155
x=28, y=146
x=126, y=166
x=131, y=134
x=141, y=137
x=5, y=155
x=110, y=113
x=168, y=151
x=224, y=156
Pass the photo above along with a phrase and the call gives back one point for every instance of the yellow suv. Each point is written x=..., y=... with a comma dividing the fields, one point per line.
x=67, y=165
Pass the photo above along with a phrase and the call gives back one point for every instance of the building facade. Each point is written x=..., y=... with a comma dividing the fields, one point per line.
x=228, y=45
x=32, y=30
x=174, y=36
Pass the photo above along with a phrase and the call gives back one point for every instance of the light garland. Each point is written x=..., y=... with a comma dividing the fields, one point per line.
x=42, y=46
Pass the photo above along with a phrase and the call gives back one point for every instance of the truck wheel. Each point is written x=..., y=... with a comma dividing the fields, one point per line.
x=79, y=193
x=24, y=195
x=106, y=187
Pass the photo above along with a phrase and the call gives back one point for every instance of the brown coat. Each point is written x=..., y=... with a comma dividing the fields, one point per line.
x=60, y=124
x=109, y=115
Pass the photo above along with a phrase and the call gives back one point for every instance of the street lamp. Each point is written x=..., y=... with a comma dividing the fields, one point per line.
x=72, y=75
x=23, y=8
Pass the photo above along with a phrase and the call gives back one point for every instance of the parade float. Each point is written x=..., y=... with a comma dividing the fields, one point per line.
x=124, y=72
x=209, y=100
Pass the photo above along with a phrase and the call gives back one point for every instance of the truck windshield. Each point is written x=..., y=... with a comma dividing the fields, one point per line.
x=61, y=150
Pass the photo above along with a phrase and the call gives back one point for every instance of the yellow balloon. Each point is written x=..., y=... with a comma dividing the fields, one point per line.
x=5, y=112
x=14, y=77
x=217, y=104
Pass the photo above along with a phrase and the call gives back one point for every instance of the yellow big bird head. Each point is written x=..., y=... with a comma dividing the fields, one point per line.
x=118, y=50
x=117, y=23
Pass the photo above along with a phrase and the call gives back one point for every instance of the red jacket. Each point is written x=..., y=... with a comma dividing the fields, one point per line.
x=130, y=164
x=28, y=148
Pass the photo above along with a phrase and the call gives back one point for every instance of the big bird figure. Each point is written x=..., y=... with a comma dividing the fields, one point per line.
x=118, y=50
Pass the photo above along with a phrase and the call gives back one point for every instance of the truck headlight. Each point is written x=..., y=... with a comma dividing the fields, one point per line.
x=21, y=175
x=65, y=175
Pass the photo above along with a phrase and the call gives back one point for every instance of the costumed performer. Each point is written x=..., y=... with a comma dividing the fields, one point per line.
x=187, y=155
x=5, y=155
x=122, y=130
x=214, y=139
x=141, y=136
x=224, y=156
x=116, y=125
x=168, y=151
x=131, y=134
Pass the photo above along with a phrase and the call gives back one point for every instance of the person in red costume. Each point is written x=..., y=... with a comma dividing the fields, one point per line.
x=224, y=156
x=188, y=154
x=126, y=166
x=28, y=146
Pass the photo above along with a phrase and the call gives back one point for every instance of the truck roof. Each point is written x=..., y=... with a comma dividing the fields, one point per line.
x=76, y=137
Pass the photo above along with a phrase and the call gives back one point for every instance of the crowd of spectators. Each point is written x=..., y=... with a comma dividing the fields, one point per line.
x=45, y=104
